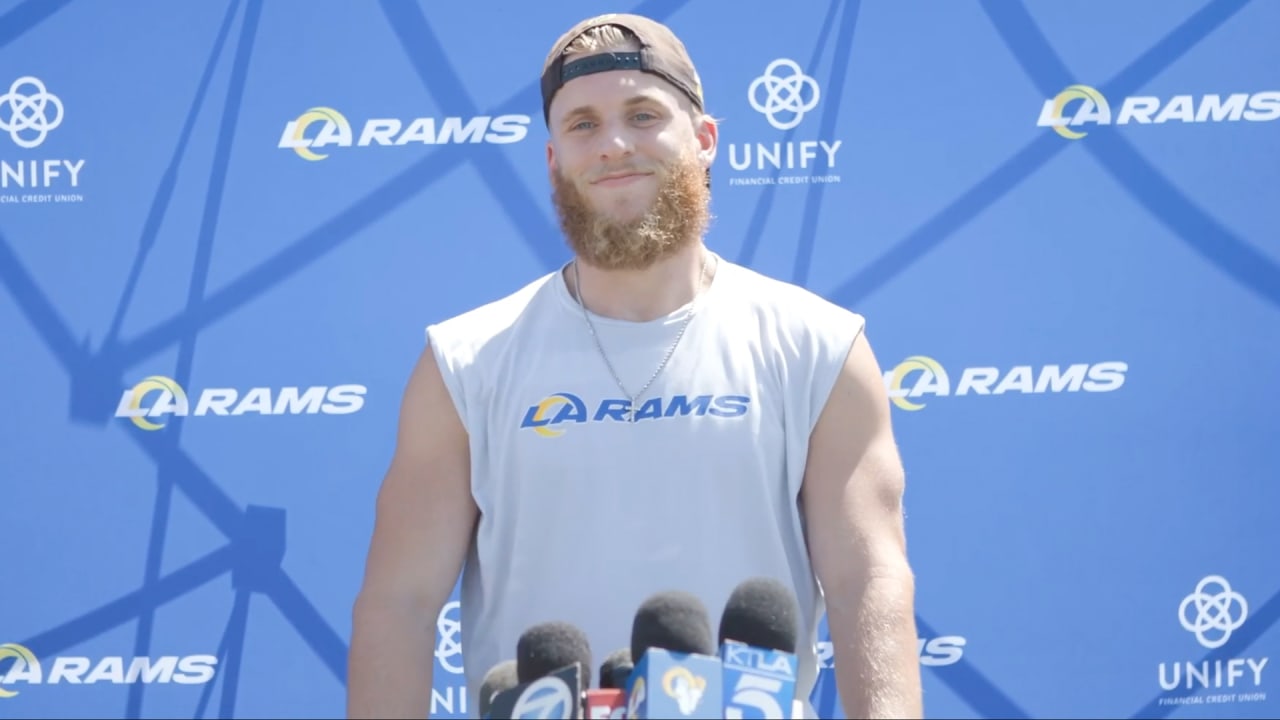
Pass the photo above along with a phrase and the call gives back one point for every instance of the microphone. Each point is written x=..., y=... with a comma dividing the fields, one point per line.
x=553, y=666
x=758, y=632
x=678, y=673
x=500, y=677
x=615, y=670
x=610, y=701
x=550, y=646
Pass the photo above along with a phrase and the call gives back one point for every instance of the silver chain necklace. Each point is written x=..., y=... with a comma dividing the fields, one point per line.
x=632, y=399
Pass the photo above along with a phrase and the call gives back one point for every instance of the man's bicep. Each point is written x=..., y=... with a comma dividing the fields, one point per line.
x=425, y=512
x=854, y=481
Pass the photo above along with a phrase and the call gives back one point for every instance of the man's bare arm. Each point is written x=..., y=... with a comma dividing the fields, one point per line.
x=852, y=497
x=423, y=528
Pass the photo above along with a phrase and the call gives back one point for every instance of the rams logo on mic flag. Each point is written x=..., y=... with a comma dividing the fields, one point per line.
x=668, y=684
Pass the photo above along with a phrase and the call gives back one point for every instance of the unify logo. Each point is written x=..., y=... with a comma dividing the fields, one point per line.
x=333, y=129
x=452, y=698
x=1213, y=613
x=1091, y=108
x=784, y=98
x=27, y=668
x=919, y=376
x=1216, y=614
x=28, y=114
x=449, y=644
x=784, y=95
x=171, y=399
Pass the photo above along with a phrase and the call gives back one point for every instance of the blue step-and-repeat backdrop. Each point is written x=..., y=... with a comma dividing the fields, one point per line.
x=225, y=224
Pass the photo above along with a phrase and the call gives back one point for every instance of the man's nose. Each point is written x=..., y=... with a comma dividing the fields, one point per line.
x=616, y=143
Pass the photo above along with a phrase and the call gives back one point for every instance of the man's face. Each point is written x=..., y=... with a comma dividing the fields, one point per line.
x=628, y=163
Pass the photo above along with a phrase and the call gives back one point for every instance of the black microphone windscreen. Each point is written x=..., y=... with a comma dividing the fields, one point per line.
x=673, y=620
x=615, y=670
x=500, y=677
x=761, y=612
x=550, y=646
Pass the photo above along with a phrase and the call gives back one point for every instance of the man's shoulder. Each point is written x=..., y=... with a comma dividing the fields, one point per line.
x=477, y=326
x=787, y=302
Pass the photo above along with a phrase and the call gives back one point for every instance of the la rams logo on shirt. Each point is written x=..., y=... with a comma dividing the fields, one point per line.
x=549, y=416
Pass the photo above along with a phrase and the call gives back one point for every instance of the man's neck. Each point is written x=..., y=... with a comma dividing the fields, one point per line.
x=644, y=295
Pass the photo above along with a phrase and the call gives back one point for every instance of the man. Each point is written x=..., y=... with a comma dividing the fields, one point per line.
x=649, y=417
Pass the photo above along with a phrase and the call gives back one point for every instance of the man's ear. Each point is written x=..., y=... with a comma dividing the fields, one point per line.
x=707, y=132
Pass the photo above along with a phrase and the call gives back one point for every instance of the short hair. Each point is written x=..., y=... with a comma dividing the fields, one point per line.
x=600, y=39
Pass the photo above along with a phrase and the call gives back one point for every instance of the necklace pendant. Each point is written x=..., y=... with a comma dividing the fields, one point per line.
x=630, y=416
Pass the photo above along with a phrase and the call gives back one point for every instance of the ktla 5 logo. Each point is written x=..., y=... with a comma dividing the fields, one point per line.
x=27, y=668
x=171, y=399
x=754, y=679
x=934, y=652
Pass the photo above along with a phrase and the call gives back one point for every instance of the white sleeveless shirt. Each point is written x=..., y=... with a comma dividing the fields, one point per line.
x=582, y=515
